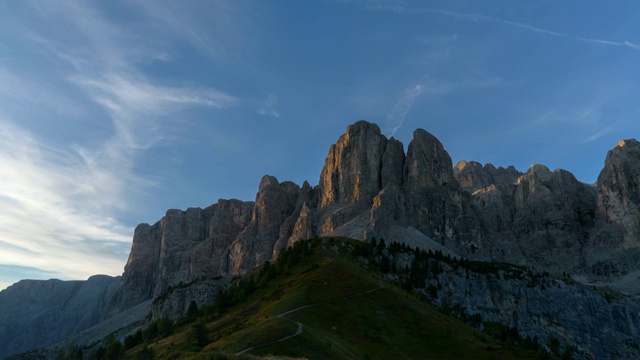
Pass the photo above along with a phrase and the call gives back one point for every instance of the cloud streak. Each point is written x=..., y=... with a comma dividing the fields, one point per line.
x=474, y=17
x=268, y=106
x=398, y=114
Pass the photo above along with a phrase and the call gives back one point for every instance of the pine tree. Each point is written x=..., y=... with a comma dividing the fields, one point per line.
x=192, y=311
x=199, y=333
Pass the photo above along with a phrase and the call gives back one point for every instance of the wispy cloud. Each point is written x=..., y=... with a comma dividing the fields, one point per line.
x=53, y=203
x=61, y=204
x=225, y=17
x=268, y=106
x=402, y=8
x=398, y=113
x=597, y=135
x=438, y=87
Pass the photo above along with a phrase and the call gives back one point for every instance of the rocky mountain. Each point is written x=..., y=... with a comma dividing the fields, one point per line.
x=36, y=313
x=369, y=187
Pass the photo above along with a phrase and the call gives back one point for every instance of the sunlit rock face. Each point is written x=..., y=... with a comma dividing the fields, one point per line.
x=351, y=173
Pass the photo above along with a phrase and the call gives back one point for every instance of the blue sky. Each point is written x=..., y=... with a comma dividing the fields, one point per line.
x=112, y=112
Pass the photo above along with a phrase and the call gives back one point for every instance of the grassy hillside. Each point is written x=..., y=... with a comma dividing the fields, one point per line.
x=318, y=303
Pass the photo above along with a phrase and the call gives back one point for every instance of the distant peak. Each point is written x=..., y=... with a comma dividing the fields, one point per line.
x=467, y=165
x=539, y=168
x=541, y=171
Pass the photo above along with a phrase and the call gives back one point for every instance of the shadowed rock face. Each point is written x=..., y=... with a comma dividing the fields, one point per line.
x=38, y=313
x=552, y=220
x=428, y=164
x=615, y=242
x=618, y=187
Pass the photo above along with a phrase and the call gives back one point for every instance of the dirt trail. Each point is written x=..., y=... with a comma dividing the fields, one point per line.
x=300, y=325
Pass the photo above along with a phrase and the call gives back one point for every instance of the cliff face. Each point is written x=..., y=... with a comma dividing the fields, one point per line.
x=182, y=247
x=37, y=313
x=615, y=242
x=541, y=217
x=369, y=187
x=551, y=220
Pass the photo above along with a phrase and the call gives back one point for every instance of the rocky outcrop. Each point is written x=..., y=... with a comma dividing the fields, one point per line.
x=37, y=313
x=271, y=220
x=615, y=243
x=618, y=186
x=428, y=165
x=472, y=176
x=174, y=303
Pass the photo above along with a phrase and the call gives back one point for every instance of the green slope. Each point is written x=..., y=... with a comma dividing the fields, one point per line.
x=327, y=306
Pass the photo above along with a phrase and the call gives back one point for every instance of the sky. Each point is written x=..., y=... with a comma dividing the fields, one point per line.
x=112, y=112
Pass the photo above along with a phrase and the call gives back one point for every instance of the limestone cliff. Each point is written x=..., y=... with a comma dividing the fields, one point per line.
x=436, y=204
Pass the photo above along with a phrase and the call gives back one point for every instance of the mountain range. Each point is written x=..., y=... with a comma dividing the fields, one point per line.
x=369, y=188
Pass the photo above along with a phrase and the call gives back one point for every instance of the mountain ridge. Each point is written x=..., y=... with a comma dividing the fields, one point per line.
x=369, y=187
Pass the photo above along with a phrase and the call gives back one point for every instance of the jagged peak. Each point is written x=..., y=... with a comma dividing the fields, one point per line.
x=427, y=163
x=268, y=180
x=541, y=171
x=491, y=167
x=424, y=135
x=461, y=165
x=464, y=164
x=363, y=125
